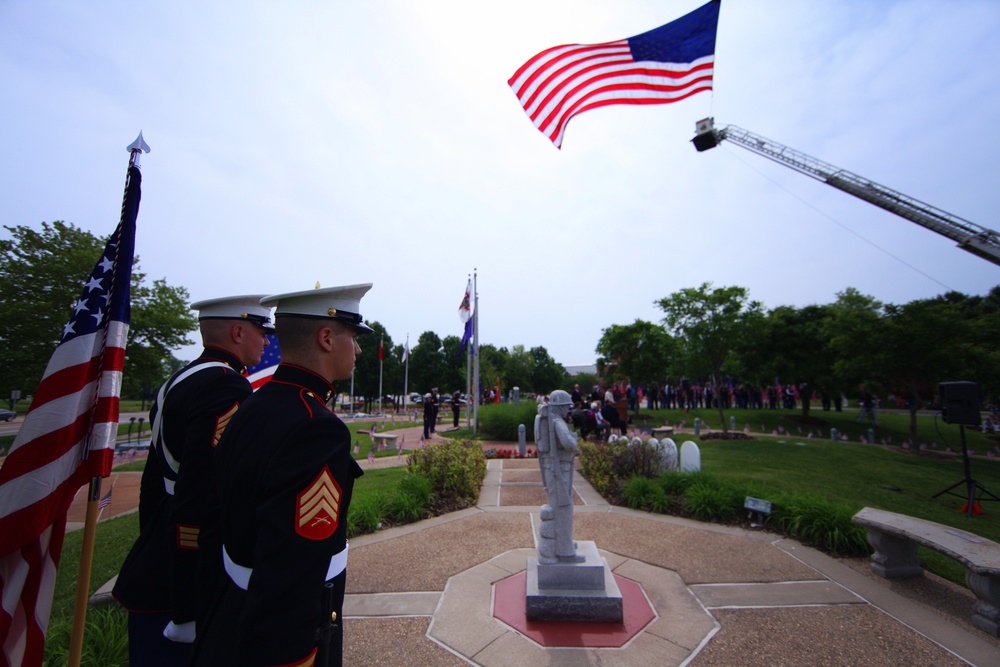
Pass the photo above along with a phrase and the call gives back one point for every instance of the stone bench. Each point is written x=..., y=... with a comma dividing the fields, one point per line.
x=384, y=440
x=895, y=538
x=661, y=432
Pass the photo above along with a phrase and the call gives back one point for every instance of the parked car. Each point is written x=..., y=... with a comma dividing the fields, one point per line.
x=7, y=415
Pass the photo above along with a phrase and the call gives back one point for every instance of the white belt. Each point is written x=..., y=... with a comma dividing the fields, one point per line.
x=241, y=575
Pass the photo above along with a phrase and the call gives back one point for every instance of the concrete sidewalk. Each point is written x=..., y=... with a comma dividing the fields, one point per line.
x=424, y=594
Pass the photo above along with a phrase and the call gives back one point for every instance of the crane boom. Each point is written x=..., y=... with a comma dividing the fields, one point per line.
x=969, y=236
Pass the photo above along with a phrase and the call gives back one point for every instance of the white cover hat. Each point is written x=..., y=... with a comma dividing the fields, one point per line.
x=338, y=303
x=246, y=307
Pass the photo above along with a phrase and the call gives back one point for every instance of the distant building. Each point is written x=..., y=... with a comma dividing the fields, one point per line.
x=573, y=371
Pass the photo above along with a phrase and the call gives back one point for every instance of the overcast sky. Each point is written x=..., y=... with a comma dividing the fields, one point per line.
x=378, y=141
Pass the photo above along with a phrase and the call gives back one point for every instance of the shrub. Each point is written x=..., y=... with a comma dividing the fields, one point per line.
x=675, y=482
x=500, y=420
x=821, y=523
x=641, y=460
x=597, y=466
x=644, y=493
x=454, y=469
x=710, y=500
x=607, y=465
x=411, y=501
x=105, y=639
x=366, y=514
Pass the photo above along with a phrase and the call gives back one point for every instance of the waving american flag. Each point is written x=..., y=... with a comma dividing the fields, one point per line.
x=68, y=437
x=664, y=65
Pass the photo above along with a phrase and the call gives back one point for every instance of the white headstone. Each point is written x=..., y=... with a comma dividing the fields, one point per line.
x=690, y=457
x=635, y=442
x=668, y=455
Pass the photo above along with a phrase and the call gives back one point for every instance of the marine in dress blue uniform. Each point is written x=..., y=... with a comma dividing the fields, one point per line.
x=286, y=476
x=157, y=583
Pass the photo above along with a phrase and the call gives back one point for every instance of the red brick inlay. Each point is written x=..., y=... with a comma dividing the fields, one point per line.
x=509, y=606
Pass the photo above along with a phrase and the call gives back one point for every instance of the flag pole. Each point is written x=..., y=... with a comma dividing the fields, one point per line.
x=468, y=388
x=475, y=352
x=381, y=356
x=135, y=149
x=406, y=373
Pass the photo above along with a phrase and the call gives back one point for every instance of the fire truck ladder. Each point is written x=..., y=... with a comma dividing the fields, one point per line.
x=969, y=236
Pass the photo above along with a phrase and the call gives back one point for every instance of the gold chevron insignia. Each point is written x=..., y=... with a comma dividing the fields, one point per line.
x=187, y=536
x=222, y=422
x=319, y=507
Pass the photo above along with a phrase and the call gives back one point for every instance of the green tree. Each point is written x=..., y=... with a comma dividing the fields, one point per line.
x=492, y=367
x=368, y=371
x=796, y=341
x=923, y=343
x=710, y=321
x=453, y=365
x=982, y=315
x=639, y=352
x=856, y=324
x=518, y=371
x=41, y=273
x=546, y=374
x=426, y=363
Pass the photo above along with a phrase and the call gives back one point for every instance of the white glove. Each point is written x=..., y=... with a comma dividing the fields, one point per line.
x=183, y=633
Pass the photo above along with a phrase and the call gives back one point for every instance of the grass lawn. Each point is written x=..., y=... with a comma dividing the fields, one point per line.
x=885, y=476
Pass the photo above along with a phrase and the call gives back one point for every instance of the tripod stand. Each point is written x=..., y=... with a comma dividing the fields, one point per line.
x=970, y=484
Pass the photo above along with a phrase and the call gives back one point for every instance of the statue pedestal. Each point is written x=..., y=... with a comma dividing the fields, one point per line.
x=584, y=591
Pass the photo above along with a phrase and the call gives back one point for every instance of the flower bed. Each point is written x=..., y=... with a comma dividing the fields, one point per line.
x=510, y=454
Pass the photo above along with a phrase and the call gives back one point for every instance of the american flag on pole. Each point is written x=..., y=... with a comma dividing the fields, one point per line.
x=258, y=375
x=666, y=64
x=465, y=308
x=68, y=437
x=106, y=500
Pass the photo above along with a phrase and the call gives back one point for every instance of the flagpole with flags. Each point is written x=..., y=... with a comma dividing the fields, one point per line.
x=475, y=350
x=67, y=439
x=468, y=385
x=465, y=314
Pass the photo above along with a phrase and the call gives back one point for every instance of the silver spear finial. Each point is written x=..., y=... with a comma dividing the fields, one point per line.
x=138, y=145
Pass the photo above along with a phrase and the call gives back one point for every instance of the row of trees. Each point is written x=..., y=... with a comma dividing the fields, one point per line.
x=856, y=341
x=706, y=333
x=437, y=362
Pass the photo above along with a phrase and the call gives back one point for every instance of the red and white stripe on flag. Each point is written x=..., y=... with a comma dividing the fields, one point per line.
x=666, y=64
x=67, y=438
x=31, y=571
x=259, y=375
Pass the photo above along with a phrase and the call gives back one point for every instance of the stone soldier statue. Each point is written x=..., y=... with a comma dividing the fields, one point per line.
x=557, y=446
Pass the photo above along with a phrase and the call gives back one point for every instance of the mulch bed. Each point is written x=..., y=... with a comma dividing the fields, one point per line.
x=722, y=435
